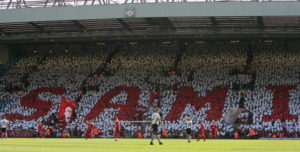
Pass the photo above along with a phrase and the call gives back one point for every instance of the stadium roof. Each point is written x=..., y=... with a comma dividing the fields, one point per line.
x=153, y=28
x=15, y=4
x=145, y=28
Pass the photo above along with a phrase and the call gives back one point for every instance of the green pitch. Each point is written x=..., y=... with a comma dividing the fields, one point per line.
x=142, y=145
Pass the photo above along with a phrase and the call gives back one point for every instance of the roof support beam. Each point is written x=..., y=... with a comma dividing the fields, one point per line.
x=80, y=26
x=149, y=21
x=260, y=22
x=214, y=23
x=124, y=24
x=59, y=3
x=45, y=5
x=167, y=24
x=25, y=3
x=38, y=27
x=85, y=1
x=8, y=5
x=164, y=23
x=3, y=32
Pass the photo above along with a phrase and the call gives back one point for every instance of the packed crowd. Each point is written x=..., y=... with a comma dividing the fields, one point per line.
x=149, y=69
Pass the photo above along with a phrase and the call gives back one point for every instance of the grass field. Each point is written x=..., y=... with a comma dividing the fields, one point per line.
x=142, y=145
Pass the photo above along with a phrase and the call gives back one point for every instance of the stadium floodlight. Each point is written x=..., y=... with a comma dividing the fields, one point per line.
x=199, y=42
x=235, y=41
x=133, y=43
x=268, y=41
x=100, y=43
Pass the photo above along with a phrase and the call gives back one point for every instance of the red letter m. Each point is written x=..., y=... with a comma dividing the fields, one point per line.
x=187, y=95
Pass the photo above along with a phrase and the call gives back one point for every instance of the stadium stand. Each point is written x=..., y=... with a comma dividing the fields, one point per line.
x=130, y=80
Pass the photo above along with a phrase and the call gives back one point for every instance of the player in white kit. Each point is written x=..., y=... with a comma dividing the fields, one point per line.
x=188, y=125
x=4, y=123
x=156, y=121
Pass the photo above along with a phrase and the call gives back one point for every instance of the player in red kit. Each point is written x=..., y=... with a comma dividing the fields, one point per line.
x=117, y=129
x=89, y=130
x=202, y=132
x=41, y=129
x=213, y=129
